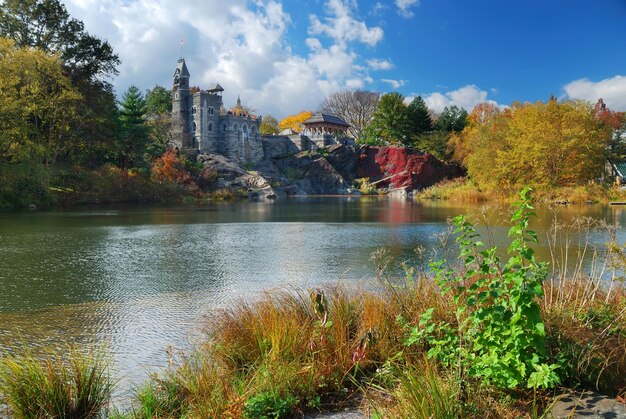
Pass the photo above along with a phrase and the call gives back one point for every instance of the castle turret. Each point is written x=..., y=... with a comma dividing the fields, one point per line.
x=181, y=104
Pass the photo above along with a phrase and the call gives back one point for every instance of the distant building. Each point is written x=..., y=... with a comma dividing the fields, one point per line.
x=200, y=122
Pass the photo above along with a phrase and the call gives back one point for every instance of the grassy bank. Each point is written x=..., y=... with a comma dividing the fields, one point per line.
x=494, y=335
x=464, y=190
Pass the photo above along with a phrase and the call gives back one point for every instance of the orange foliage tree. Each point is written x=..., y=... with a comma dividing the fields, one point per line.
x=170, y=168
x=294, y=122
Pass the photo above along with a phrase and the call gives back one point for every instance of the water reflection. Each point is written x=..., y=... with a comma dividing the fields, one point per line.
x=140, y=279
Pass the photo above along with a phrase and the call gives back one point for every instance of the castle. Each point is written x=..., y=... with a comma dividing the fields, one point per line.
x=201, y=122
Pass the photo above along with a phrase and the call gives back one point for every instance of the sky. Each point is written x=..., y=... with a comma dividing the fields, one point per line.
x=285, y=56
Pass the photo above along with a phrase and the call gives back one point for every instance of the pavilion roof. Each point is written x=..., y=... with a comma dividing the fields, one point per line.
x=318, y=118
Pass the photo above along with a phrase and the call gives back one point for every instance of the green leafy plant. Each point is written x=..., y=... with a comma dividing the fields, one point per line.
x=269, y=405
x=499, y=333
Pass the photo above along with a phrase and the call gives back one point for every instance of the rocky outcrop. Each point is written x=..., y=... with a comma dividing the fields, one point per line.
x=309, y=173
x=232, y=176
x=331, y=171
x=402, y=168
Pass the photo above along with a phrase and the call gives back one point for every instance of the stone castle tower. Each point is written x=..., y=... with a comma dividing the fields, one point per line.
x=180, y=107
x=200, y=122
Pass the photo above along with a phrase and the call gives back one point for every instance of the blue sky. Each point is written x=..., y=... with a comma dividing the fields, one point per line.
x=286, y=56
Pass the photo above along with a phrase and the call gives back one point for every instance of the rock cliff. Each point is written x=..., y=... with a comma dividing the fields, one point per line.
x=332, y=171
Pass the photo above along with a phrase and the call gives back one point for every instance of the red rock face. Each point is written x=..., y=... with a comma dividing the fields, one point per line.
x=402, y=167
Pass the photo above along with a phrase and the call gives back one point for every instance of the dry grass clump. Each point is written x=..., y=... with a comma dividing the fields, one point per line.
x=457, y=190
x=60, y=384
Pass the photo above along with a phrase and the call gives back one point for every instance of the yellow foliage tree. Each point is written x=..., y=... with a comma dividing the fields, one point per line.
x=38, y=105
x=543, y=145
x=294, y=122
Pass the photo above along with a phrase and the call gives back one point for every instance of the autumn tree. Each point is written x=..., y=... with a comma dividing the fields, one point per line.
x=544, y=145
x=355, y=107
x=38, y=108
x=269, y=125
x=86, y=59
x=390, y=123
x=294, y=122
x=616, y=122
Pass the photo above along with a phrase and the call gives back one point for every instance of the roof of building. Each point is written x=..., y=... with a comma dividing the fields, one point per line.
x=620, y=167
x=181, y=68
x=326, y=118
x=216, y=88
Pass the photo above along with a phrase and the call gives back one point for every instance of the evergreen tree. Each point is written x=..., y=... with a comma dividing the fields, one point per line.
x=135, y=134
x=421, y=122
x=451, y=119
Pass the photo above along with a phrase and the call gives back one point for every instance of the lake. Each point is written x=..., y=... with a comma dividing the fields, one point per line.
x=140, y=279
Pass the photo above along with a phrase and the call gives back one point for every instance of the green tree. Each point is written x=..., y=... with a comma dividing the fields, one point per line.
x=135, y=133
x=46, y=24
x=269, y=125
x=158, y=101
x=390, y=122
x=451, y=119
x=421, y=122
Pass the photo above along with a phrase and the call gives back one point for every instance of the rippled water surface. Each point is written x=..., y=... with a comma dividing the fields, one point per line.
x=141, y=279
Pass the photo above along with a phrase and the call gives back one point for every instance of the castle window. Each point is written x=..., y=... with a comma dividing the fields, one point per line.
x=210, y=110
x=236, y=127
x=252, y=129
x=210, y=127
x=193, y=126
x=176, y=80
x=193, y=109
x=223, y=127
x=176, y=96
x=244, y=128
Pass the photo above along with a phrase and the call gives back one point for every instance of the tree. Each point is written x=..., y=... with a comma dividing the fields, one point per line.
x=544, y=145
x=158, y=101
x=419, y=115
x=451, y=119
x=46, y=25
x=390, y=123
x=38, y=108
x=269, y=125
x=135, y=132
x=87, y=60
x=294, y=122
x=355, y=107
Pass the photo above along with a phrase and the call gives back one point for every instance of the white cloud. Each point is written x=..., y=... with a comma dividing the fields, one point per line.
x=241, y=44
x=376, y=64
x=342, y=27
x=612, y=91
x=395, y=84
x=405, y=6
x=465, y=97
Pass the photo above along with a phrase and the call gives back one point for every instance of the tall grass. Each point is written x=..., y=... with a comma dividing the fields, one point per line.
x=68, y=384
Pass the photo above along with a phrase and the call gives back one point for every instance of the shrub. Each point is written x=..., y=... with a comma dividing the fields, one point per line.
x=498, y=334
x=62, y=385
